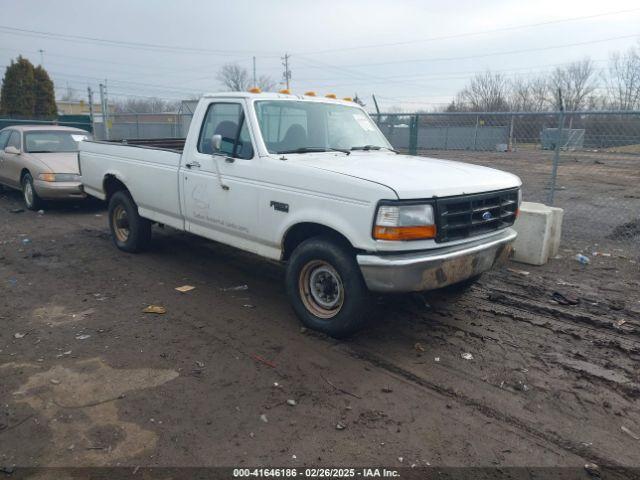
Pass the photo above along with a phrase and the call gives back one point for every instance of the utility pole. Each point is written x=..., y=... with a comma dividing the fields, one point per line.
x=375, y=102
x=255, y=81
x=286, y=75
x=41, y=57
x=105, y=108
x=90, y=94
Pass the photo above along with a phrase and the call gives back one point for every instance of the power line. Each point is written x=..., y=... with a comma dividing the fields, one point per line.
x=482, y=55
x=123, y=44
x=469, y=34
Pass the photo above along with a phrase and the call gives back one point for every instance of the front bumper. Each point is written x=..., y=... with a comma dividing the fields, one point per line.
x=428, y=270
x=59, y=190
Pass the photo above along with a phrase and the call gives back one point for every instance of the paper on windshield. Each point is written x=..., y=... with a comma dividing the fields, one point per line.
x=364, y=122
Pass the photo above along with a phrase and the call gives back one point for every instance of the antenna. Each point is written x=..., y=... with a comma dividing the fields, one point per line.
x=286, y=75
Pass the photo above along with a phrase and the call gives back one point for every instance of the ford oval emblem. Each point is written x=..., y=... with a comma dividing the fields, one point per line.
x=487, y=215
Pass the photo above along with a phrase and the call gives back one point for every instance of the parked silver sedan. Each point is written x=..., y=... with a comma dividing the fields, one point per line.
x=42, y=162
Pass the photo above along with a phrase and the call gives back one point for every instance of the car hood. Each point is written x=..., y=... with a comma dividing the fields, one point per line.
x=60, y=162
x=412, y=177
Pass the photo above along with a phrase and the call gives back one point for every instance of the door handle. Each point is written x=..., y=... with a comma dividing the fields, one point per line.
x=192, y=164
x=229, y=159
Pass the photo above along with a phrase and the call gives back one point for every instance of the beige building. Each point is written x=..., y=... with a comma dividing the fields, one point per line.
x=77, y=107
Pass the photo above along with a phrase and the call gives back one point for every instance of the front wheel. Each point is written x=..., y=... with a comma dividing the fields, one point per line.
x=326, y=288
x=129, y=231
x=31, y=199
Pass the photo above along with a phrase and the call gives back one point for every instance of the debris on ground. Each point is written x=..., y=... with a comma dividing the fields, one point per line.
x=600, y=254
x=418, y=347
x=26, y=241
x=436, y=359
x=582, y=259
x=236, y=288
x=248, y=305
x=185, y=288
x=340, y=426
x=264, y=418
x=155, y=309
x=387, y=390
x=466, y=356
x=40, y=212
x=55, y=381
x=19, y=335
x=592, y=469
x=565, y=298
x=199, y=364
x=524, y=273
x=16, y=210
x=291, y=402
x=263, y=360
x=633, y=435
x=82, y=337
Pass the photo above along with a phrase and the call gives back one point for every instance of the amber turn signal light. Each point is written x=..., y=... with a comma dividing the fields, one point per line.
x=404, y=233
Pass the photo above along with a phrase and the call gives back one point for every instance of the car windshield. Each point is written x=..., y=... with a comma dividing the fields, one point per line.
x=292, y=126
x=53, y=141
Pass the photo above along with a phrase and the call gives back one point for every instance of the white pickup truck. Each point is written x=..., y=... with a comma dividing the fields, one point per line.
x=311, y=182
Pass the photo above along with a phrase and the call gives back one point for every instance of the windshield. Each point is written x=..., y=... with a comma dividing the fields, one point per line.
x=53, y=141
x=297, y=127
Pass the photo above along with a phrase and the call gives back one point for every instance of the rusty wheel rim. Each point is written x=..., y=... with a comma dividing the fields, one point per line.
x=321, y=289
x=120, y=221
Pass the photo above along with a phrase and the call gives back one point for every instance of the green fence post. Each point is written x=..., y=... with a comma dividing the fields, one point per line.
x=413, y=135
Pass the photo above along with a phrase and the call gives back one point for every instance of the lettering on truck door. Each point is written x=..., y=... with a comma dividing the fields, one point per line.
x=220, y=199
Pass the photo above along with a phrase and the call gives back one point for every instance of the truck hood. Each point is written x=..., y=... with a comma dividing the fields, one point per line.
x=59, y=162
x=412, y=177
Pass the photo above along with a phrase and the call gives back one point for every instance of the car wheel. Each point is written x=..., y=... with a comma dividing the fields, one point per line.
x=31, y=199
x=129, y=231
x=326, y=288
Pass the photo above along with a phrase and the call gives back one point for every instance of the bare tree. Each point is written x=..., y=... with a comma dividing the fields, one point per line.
x=577, y=81
x=145, y=105
x=529, y=94
x=236, y=79
x=623, y=81
x=486, y=92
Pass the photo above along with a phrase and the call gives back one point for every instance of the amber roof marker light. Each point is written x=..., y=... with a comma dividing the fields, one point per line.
x=255, y=90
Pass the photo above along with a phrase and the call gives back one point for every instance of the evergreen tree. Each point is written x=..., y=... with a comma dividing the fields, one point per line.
x=45, y=100
x=17, y=96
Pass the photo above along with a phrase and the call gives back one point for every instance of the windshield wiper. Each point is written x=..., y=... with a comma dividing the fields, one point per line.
x=366, y=148
x=314, y=150
x=41, y=151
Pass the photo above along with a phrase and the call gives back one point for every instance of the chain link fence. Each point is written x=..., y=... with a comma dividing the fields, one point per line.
x=587, y=163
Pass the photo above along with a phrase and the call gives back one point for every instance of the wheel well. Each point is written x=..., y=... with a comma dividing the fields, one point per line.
x=23, y=173
x=303, y=231
x=113, y=185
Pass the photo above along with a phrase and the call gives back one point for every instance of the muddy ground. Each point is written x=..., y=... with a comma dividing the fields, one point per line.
x=87, y=379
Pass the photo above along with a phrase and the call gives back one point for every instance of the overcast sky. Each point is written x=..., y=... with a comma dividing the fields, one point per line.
x=416, y=54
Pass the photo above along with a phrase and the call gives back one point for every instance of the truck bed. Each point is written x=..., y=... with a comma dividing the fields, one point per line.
x=149, y=169
x=173, y=144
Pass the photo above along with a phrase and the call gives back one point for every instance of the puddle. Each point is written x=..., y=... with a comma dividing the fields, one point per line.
x=80, y=405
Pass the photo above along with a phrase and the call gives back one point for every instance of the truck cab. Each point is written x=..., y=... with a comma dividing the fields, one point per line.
x=311, y=182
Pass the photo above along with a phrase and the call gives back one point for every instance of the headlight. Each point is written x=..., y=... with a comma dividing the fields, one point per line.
x=404, y=222
x=59, y=177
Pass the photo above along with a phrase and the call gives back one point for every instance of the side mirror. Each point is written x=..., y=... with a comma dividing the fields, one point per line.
x=12, y=149
x=216, y=143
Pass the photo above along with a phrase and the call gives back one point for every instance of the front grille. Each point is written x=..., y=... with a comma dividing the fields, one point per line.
x=466, y=216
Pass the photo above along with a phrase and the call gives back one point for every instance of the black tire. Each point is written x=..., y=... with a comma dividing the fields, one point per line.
x=129, y=231
x=463, y=286
x=337, y=278
x=29, y=195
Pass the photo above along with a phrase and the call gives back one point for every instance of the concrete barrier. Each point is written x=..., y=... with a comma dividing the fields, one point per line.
x=539, y=230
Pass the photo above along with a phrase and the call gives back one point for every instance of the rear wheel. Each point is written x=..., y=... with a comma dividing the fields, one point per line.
x=326, y=288
x=129, y=231
x=31, y=199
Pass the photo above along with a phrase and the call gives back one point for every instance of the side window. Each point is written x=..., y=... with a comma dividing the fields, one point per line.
x=14, y=140
x=4, y=136
x=227, y=120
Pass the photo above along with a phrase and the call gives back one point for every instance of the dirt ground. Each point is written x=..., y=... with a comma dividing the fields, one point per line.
x=88, y=379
